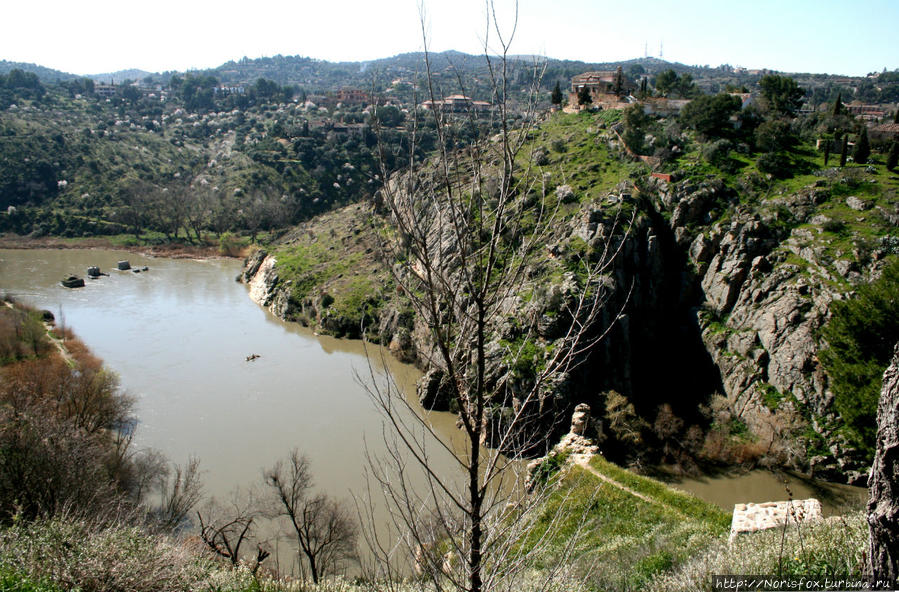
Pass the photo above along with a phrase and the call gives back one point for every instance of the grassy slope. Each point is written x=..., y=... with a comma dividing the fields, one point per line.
x=332, y=266
x=628, y=538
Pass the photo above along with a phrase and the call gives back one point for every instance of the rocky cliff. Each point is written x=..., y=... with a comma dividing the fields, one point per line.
x=720, y=289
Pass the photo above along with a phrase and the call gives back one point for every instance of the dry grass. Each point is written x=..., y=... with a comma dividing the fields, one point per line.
x=831, y=547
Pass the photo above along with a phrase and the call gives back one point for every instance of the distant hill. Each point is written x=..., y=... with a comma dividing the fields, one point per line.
x=402, y=76
x=46, y=75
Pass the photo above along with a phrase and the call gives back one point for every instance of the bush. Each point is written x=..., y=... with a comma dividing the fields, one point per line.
x=860, y=337
x=82, y=555
x=776, y=164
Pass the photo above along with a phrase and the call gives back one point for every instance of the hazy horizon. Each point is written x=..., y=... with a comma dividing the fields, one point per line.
x=101, y=36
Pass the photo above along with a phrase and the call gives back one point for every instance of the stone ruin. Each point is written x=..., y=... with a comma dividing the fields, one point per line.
x=753, y=517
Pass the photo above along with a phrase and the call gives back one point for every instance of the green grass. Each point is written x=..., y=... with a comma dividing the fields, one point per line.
x=684, y=502
x=12, y=580
x=627, y=539
x=584, y=162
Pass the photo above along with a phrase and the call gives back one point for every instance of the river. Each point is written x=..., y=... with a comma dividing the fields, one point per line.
x=178, y=336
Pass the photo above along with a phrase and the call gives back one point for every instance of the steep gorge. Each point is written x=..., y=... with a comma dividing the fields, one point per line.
x=720, y=294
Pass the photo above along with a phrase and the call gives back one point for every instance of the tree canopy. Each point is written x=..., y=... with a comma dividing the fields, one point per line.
x=860, y=337
x=710, y=114
x=781, y=93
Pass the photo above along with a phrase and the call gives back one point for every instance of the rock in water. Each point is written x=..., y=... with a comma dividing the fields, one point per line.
x=883, y=505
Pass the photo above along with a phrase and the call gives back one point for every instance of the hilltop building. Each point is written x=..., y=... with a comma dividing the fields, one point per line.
x=457, y=104
x=607, y=87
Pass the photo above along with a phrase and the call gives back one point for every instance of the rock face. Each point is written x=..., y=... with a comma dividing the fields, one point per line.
x=883, y=505
x=434, y=393
x=706, y=295
x=765, y=291
x=580, y=419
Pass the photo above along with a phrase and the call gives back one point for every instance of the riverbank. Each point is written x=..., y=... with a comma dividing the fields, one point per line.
x=171, y=250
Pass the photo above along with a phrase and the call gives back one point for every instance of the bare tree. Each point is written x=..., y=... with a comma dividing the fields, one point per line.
x=228, y=525
x=469, y=229
x=324, y=529
x=181, y=491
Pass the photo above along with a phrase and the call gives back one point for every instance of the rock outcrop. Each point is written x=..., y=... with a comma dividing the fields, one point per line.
x=705, y=295
x=883, y=504
x=765, y=291
x=755, y=517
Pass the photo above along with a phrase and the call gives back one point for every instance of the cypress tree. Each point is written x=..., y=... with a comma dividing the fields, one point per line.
x=838, y=105
x=826, y=151
x=893, y=156
x=557, y=95
x=583, y=96
x=844, y=151
x=619, y=82
x=862, y=147
x=896, y=116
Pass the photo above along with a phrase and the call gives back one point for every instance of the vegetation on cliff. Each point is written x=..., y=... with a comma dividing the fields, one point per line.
x=821, y=229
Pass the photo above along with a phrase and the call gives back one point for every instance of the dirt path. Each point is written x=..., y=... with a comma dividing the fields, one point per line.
x=59, y=345
x=584, y=462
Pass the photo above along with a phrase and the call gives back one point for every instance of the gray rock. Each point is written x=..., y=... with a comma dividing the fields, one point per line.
x=857, y=203
x=434, y=391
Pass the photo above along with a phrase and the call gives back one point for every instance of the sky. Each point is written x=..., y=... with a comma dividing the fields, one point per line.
x=100, y=36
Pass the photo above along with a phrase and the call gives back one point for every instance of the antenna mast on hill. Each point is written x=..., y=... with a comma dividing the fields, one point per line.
x=660, y=50
x=645, y=49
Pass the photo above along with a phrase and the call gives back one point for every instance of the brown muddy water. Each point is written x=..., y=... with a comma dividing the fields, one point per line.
x=761, y=485
x=178, y=336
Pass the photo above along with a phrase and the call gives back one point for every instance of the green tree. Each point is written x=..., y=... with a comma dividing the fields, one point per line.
x=860, y=336
x=710, y=114
x=635, y=122
x=774, y=135
x=844, y=151
x=130, y=93
x=837, y=106
x=557, y=95
x=781, y=93
x=862, y=147
x=893, y=156
x=644, y=87
x=686, y=88
x=896, y=116
x=666, y=82
x=583, y=96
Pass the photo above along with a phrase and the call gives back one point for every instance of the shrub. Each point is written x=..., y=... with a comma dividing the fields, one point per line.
x=776, y=164
x=860, y=337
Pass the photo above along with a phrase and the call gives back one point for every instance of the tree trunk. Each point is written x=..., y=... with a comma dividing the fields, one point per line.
x=883, y=505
